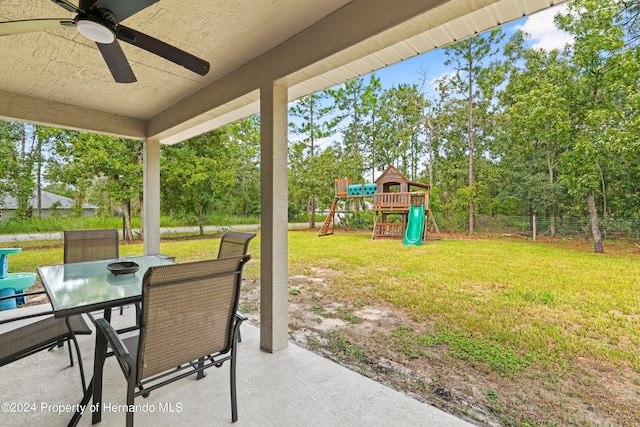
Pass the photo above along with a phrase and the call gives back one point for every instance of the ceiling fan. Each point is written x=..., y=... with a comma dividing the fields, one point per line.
x=99, y=21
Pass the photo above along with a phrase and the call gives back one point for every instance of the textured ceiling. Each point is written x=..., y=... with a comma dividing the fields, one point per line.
x=64, y=66
x=58, y=77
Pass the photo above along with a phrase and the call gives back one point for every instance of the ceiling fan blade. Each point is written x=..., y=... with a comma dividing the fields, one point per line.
x=122, y=9
x=117, y=62
x=67, y=5
x=162, y=49
x=34, y=25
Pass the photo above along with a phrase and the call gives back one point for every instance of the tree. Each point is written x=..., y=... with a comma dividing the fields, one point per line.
x=536, y=126
x=11, y=133
x=196, y=174
x=400, y=120
x=605, y=78
x=23, y=147
x=476, y=81
x=244, y=143
x=314, y=125
x=356, y=101
x=630, y=20
x=82, y=157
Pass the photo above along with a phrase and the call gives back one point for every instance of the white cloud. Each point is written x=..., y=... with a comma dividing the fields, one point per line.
x=543, y=32
x=443, y=78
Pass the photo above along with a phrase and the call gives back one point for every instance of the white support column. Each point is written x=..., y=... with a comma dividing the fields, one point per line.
x=274, y=328
x=151, y=197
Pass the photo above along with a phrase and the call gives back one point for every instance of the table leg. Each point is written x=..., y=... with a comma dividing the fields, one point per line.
x=98, y=365
x=83, y=404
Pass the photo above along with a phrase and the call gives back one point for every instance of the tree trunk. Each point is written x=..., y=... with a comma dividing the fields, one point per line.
x=39, y=178
x=141, y=201
x=604, y=198
x=598, y=247
x=471, y=142
x=201, y=221
x=431, y=156
x=312, y=213
x=552, y=219
x=128, y=234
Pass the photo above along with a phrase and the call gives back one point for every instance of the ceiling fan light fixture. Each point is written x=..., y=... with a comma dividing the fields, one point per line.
x=95, y=31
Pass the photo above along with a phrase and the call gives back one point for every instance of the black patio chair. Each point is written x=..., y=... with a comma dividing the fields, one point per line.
x=232, y=244
x=24, y=338
x=92, y=245
x=189, y=321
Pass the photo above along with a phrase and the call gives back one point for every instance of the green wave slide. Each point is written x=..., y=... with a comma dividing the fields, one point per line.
x=415, y=226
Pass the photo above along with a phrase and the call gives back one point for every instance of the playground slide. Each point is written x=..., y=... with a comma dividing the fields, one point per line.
x=415, y=226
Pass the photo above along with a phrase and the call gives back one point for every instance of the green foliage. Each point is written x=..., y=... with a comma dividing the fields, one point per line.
x=244, y=143
x=200, y=188
x=112, y=164
x=338, y=342
x=59, y=223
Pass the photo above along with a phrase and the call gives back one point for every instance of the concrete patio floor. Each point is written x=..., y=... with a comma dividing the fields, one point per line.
x=293, y=387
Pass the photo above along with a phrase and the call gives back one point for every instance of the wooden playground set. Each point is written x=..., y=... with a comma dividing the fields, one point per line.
x=398, y=212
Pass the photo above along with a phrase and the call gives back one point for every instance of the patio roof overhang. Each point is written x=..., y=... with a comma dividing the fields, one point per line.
x=262, y=55
x=59, y=78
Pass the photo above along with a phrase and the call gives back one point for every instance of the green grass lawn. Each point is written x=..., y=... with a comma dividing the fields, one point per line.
x=528, y=312
x=510, y=302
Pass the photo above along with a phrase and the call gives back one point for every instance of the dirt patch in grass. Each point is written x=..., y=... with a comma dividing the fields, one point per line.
x=376, y=341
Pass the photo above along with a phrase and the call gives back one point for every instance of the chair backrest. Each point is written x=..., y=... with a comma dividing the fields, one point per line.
x=234, y=244
x=90, y=245
x=188, y=312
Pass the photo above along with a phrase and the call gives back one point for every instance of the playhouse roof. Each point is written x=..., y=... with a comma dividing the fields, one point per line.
x=391, y=174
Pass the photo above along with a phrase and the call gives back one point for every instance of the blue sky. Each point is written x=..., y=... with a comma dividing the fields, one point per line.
x=544, y=35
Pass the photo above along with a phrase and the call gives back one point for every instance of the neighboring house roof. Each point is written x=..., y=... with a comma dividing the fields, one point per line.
x=48, y=200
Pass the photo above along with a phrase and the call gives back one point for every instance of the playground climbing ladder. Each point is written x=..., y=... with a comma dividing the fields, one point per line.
x=324, y=231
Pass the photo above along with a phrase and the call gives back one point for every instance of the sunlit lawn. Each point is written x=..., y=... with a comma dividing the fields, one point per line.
x=508, y=303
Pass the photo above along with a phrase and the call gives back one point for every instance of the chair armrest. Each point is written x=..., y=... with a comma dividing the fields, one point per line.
x=25, y=294
x=33, y=311
x=114, y=340
x=240, y=317
x=29, y=316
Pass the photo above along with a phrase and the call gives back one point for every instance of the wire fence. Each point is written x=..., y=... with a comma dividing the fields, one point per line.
x=545, y=226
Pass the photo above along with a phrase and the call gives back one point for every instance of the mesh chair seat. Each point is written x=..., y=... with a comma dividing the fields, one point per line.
x=37, y=336
x=30, y=338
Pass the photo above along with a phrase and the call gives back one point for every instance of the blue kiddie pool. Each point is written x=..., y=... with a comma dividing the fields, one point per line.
x=10, y=283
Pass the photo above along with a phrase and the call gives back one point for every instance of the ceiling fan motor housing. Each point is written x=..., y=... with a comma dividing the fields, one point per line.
x=95, y=29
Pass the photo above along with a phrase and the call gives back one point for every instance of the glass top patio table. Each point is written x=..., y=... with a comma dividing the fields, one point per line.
x=87, y=286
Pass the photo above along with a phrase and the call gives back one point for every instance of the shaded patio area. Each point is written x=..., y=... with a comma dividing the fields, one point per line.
x=293, y=387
